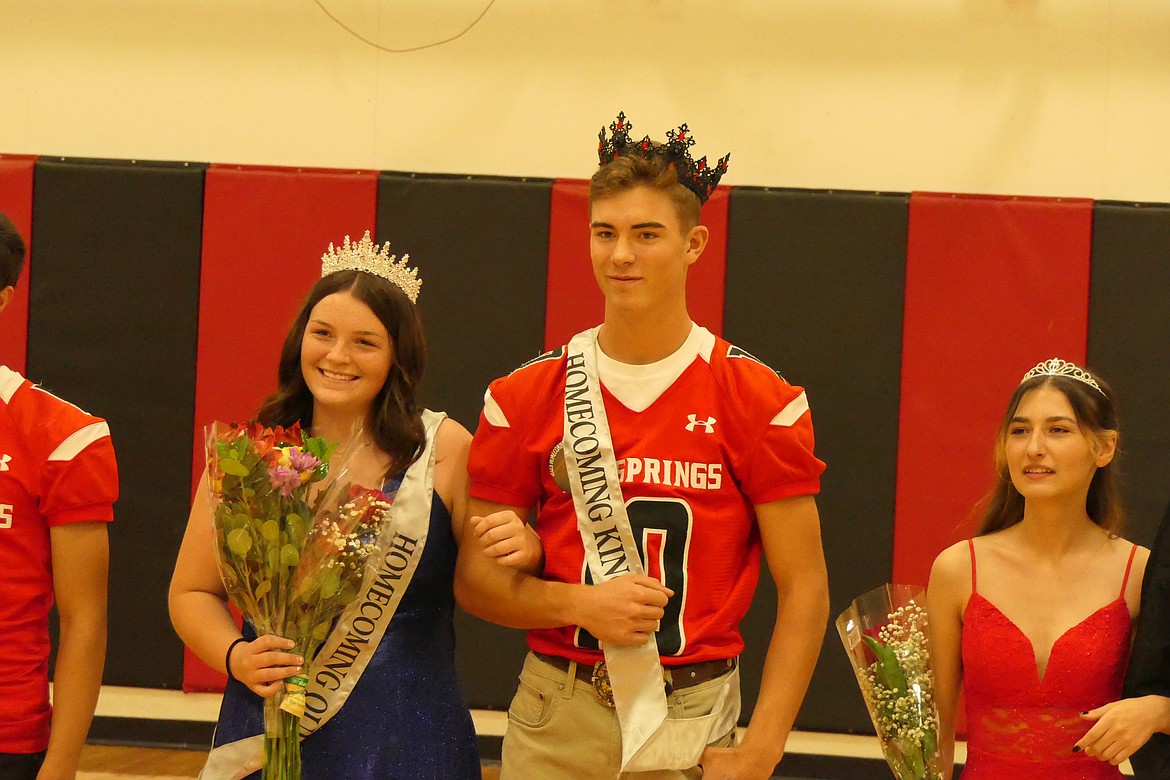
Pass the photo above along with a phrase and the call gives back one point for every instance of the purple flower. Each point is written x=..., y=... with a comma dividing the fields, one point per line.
x=284, y=479
x=302, y=461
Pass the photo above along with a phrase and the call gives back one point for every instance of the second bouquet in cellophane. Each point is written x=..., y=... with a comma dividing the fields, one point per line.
x=885, y=633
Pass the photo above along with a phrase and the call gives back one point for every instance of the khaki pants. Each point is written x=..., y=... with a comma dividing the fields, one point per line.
x=558, y=730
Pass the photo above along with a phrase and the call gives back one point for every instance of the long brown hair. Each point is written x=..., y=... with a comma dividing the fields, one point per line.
x=1096, y=415
x=394, y=422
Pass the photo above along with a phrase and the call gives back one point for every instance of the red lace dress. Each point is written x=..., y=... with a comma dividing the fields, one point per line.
x=1023, y=728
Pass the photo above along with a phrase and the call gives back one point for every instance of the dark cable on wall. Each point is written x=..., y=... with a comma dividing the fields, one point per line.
x=380, y=47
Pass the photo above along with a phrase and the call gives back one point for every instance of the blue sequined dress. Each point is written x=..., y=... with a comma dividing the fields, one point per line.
x=406, y=718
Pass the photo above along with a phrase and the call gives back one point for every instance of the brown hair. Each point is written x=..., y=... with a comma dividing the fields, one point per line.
x=657, y=173
x=1096, y=414
x=394, y=422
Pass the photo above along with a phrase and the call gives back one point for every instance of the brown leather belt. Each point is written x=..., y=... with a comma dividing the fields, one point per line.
x=674, y=677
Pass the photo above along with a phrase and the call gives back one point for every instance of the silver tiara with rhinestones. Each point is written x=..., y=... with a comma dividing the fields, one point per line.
x=1058, y=367
x=366, y=256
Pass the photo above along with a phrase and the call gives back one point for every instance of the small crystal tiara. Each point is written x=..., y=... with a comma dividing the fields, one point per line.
x=366, y=256
x=695, y=175
x=1058, y=367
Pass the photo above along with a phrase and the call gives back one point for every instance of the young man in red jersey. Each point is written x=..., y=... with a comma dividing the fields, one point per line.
x=58, y=484
x=661, y=460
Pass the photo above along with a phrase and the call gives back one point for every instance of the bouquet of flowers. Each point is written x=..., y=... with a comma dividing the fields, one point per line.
x=294, y=551
x=885, y=634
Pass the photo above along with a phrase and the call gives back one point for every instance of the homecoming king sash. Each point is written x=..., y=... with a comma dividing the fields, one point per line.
x=650, y=740
x=347, y=650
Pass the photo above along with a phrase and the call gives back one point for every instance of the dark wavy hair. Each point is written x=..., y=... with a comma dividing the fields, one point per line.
x=394, y=421
x=12, y=251
x=1096, y=415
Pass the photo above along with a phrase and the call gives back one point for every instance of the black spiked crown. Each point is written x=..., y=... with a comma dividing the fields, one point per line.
x=696, y=175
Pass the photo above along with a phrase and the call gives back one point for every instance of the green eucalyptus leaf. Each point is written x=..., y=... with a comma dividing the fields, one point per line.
x=239, y=541
x=289, y=555
x=233, y=467
x=295, y=527
x=308, y=585
x=330, y=582
x=270, y=530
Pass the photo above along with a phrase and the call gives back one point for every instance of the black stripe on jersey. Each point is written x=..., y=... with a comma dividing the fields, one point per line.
x=738, y=352
x=554, y=354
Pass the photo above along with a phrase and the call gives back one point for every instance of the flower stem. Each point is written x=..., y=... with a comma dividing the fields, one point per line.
x=282, y=746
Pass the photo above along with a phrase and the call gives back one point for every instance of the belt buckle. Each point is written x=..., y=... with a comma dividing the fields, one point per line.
x=601, y=685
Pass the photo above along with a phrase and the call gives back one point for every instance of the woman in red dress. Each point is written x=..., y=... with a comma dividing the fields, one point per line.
x=1033, y=617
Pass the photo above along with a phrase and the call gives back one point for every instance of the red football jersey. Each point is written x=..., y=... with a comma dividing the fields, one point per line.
x=720, y=432
x=56, y=467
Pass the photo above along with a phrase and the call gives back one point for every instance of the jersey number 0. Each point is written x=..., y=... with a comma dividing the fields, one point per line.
x=662, y=532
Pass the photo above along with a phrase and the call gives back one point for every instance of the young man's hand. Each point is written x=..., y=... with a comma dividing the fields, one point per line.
x=623, y=611
x=735, y=763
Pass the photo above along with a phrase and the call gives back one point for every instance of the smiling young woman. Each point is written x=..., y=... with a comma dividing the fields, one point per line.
x=354, y=357
x=1033, y=617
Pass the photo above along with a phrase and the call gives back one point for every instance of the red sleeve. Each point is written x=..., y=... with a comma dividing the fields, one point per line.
x=77, y=480
x=80, y=485
x=501, y=467
x=783, y=465
x=775, y=459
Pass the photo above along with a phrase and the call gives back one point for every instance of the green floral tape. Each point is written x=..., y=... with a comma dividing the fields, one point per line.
x=294, y=700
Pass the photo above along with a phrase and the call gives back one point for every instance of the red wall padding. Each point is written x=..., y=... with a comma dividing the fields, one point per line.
x=16, y=190
x=574, y=302
x=264, y=231
x=994, y=285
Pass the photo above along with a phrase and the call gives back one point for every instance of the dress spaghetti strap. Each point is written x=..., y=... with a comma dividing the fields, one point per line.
x=971, y=544
x=1128, y=566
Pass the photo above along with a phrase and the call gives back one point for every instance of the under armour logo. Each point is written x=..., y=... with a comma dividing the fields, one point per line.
x=708, y=424
x=4, y=462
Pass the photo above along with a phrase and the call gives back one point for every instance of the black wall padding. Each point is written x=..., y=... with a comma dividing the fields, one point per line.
x=112, y=328
x=481, y=247
x=1129, y=341
x=814, y=288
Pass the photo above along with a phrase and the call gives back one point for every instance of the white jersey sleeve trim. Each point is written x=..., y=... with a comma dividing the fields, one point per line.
x=793, y=412
x=79, y=440
x=10, y=382
x=493, y=412
x=706, y=342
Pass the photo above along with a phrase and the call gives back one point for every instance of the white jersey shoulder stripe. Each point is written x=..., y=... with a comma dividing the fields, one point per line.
x=792, y=412
x=10, y=382
x=79, y=440
x=493, y=412
x=59, y=399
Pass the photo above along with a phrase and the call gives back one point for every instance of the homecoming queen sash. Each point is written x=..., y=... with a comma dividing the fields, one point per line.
x=347, y=651
x=650, y=740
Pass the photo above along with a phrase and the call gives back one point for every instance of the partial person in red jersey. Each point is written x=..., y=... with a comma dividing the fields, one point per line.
x=1033, y=617
x=58, y=484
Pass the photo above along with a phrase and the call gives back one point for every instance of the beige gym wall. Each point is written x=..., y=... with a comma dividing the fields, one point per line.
x=1025, y=97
